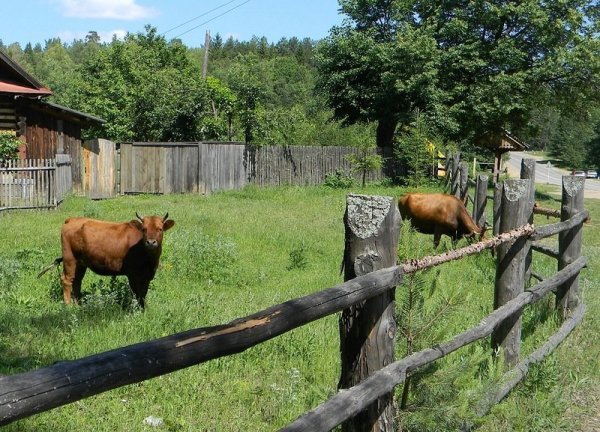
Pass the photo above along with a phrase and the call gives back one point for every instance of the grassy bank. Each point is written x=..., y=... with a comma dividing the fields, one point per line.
x=232, y=254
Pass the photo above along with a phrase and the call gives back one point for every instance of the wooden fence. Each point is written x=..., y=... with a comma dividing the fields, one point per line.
x=35, y=183
x=369, y=371
x=205, y=167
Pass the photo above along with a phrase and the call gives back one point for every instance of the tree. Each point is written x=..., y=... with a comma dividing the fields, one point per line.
x=470, y=67
x=145, y=88
x=365, y=160
x=416, y=148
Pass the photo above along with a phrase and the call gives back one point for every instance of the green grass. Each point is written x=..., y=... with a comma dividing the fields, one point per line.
x=232, y=254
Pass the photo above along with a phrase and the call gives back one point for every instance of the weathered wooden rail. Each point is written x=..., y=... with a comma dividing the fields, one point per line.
x=364, y=398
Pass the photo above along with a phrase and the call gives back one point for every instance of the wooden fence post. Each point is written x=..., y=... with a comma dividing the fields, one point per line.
x=528, y=172
x=448, y=170
x=480, y=200
x=367, y=330
x=569, y=243
x=455, y=180
x=510, y=265
x=498, y=188
x=463, y=186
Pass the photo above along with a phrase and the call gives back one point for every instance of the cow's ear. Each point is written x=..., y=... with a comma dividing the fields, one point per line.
x=136, y=224
x=168, y=224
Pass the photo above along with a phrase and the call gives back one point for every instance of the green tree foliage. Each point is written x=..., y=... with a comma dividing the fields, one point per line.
x=146, y=89
x=365, y=160
x=469, y=66
x=9, y=146
x=416, y=147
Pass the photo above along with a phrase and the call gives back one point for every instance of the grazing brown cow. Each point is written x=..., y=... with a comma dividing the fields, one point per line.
x=108, y=248
x=438, y=214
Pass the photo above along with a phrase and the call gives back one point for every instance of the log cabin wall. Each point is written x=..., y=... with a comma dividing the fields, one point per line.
x=48, y=133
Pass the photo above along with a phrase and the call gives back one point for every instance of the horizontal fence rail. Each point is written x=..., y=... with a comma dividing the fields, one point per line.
x=348, y=402
x=555, y=228
x=29, y=393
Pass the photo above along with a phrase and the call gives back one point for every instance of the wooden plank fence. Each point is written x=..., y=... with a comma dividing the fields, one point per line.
x=205, y=167
x=28, y=393
x=35, y=183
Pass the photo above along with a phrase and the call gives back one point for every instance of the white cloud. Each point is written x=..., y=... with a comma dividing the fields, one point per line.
x=115, y=9
x=105, y=36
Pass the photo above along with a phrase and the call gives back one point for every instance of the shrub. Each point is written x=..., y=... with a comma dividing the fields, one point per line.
x=338, y=180
x=298, y=258
x=9, y=146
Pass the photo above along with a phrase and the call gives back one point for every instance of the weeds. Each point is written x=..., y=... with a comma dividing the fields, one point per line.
x=298, y=259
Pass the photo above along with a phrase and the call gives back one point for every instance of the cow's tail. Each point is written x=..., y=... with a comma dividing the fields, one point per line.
x=56, y=262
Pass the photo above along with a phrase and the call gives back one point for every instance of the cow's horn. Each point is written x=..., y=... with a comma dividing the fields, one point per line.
x=166, y=217
x=139, y=217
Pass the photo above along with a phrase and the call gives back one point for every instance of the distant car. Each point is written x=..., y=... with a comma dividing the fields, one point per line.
x=579, y=174
x=591, y=174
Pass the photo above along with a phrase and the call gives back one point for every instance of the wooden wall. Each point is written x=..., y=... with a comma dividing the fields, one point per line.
x=208, y=167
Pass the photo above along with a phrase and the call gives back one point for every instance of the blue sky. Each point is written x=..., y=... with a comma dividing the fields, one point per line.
x=39, y=20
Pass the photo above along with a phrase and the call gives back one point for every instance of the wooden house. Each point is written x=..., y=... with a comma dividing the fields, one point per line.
x=45, y=128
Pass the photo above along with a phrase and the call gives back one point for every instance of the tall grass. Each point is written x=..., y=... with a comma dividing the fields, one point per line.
x=232, y=254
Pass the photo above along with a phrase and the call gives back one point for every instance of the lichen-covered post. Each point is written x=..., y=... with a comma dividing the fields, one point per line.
x=368, y=330
x=510, y=266
x=528, y=172
x=569, y=243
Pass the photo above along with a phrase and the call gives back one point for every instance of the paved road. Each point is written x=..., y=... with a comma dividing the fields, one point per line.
x=549, y=175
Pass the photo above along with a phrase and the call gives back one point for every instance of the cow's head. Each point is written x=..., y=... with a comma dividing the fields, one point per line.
x=152, y=228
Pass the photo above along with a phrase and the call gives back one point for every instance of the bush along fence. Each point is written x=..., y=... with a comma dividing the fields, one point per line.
x=35, y=183
x=369, y=371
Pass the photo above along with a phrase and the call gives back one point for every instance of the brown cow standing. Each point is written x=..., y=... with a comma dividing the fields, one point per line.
x=110, y=249
x=438, y=214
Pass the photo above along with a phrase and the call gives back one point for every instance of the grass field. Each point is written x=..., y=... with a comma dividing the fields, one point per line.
x=232, y=254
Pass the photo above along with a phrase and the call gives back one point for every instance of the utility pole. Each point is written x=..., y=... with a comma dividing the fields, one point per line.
x=206, y=47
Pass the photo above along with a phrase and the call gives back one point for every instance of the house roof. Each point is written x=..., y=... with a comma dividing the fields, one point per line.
x=86, y=117
x=14, y=79
x=502, y=141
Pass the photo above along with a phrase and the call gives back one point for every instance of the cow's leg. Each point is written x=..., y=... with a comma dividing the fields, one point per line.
x=79, y=274
x=66, y=278
x=139, y=286
x=437, y=235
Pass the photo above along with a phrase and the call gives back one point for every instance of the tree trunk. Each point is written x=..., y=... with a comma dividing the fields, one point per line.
x=386, y=127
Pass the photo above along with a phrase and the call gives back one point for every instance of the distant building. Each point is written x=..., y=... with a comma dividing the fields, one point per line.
x=45, y=128
x=501, y=142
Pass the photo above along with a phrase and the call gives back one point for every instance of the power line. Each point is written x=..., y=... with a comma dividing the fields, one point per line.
x=212, y=19
x=199, y=16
